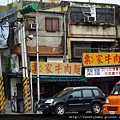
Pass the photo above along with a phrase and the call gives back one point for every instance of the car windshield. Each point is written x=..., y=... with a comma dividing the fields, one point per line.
x=62, y=93
x=116, y=90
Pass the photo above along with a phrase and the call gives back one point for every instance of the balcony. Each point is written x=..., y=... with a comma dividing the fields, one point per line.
x=43, y=51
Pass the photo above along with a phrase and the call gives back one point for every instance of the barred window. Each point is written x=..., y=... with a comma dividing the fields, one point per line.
x=105, y=15
x=77, y=13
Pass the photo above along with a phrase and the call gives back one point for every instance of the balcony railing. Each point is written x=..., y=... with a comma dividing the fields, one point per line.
x=78, y=53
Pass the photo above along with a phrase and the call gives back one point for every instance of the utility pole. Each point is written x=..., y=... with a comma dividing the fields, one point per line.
x=26, y=82
x=37, y=50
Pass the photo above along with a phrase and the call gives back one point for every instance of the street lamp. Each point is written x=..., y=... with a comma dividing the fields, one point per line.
x=37, y=49
x=27, y=9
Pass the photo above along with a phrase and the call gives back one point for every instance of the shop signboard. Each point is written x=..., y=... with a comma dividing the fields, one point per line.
x=101, y=59
x=102, y=72
x=51, y=68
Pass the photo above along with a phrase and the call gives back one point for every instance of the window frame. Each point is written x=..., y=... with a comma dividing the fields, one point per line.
x=107, y=13
x=78, y=13
x=87, y=96
x=52, y=29
x=94, y=92
x=79, y=91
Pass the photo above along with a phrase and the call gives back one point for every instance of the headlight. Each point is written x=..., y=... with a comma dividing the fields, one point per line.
x=107, y=101
x=49, y=101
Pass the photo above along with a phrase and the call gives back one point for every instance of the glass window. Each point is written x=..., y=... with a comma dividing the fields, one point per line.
x=77, y=13
x=62, y=93
x=116, y=90
x=87, y=93
x=52, y=24
x=96, y=92
x=105, y=15
x=76, y=94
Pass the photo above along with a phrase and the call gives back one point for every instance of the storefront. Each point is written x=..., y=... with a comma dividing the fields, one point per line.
x=56, y=76
x=101, y=69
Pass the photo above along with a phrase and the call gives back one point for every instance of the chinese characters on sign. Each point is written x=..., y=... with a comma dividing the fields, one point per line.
x=50, y=68
x=101, y=59
x=102, y=71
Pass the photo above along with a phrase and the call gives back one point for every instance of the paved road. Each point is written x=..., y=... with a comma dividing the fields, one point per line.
x=36, y=116
x=32, y=117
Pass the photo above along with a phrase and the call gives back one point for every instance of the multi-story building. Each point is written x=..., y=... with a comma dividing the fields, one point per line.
x=74, y=32
x=93, y=40
x=50, y=45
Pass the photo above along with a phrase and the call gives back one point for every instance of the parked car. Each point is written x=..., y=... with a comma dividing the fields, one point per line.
x=78, y=99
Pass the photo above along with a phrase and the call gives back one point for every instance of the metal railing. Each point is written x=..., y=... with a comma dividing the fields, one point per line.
x=78, y=52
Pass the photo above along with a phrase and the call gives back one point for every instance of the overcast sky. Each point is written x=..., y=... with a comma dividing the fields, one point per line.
x=4, y=2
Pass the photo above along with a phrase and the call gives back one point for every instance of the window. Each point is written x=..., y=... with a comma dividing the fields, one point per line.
x=79, y=48
x=76, y=94
x=62, y=93
x=105, y=15
x=52, y=24
x=96, y=92
x=87, y=93
x=77, y=13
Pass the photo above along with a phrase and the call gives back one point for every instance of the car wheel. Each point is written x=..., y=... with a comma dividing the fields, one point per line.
x=60, y=110
x=96, y=108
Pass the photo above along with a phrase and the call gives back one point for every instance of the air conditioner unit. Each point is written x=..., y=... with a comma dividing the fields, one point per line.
x=32, y=26
x=89, y=19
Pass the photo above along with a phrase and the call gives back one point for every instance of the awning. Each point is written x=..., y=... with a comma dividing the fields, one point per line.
x=62, y=78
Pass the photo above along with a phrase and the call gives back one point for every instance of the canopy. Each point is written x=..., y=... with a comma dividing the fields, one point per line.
x=62, y=78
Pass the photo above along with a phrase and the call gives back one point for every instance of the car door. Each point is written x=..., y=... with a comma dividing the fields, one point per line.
x=87, y=98
x=75, y=101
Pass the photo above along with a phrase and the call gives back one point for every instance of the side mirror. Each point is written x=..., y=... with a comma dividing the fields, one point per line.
x=71, y=96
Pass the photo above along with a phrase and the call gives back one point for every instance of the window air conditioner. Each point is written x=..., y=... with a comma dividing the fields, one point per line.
x=32, y=26
x=89, y=19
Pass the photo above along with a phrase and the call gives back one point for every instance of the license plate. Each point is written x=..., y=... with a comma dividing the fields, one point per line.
x=111, y=112
x=39, y=112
